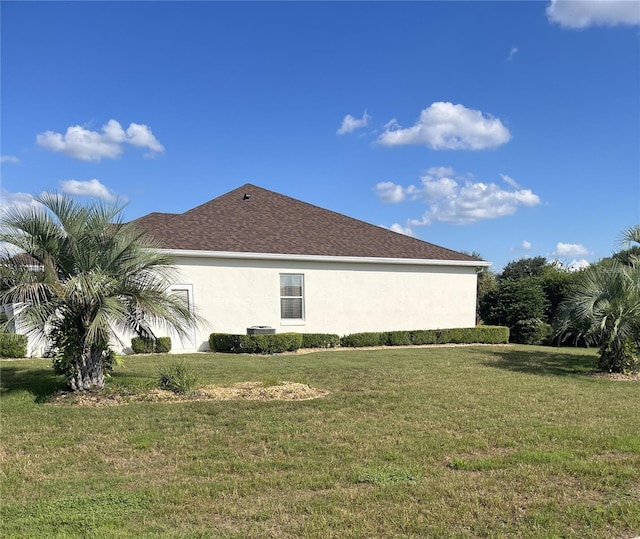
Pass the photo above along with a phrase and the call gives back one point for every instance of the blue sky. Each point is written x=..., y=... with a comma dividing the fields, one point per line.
x=507, y=128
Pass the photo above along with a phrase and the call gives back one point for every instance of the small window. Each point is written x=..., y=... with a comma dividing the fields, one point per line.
x=292, y=296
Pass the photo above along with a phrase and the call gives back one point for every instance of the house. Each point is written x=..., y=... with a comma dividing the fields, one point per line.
x=253, y=257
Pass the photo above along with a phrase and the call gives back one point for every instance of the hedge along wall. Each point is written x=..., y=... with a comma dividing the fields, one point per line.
x=475, y=335
x=255, y=344
x=283, y=342
x=13, y=345
x=141, y=345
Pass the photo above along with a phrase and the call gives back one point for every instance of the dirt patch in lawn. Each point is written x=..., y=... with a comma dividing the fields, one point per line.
x=254, y=391
x=618, y=377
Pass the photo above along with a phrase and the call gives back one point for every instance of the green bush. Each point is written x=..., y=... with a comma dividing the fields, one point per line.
x=163, y=345
x=513, y=301
x=177, y=377
x=142, y=345
x=424, y=336
x=147, y=345
x=13, y=345
x=624, y=358
x=320, y=340
x=474, y=335
x=364, y=339
x=531, y=331
x=398, y=338
x=255, y=344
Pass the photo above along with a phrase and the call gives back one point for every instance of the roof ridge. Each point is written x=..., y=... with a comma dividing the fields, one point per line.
x=251, y=218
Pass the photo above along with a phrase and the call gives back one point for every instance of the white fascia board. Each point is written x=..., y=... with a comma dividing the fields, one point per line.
x=322, y=258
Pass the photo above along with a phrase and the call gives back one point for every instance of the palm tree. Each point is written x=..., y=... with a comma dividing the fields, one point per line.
x=89, y=276
x=605, y=310
x=630, y=235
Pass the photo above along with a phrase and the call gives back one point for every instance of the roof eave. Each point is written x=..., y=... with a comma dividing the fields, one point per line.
x=323, y=258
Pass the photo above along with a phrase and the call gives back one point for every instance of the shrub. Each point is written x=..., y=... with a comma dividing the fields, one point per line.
x=142, y=345
x=163, y=345
x=13, y=345
x=277, y=343
x=255, y=344
x=364, y=339
x=177, y=377
x=531, y=331
x=624, y=358
x=424, y=336
x=513, y=301
x=320, y=340
x=147, y=345
x=398, y=338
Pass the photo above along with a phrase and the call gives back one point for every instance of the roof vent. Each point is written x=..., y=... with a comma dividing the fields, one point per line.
x=246, y=197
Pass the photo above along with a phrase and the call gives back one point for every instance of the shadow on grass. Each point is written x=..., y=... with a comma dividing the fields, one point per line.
x=42, y=383
x=547, y=361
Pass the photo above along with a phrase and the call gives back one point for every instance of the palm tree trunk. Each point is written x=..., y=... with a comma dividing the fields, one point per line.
x=88, y=373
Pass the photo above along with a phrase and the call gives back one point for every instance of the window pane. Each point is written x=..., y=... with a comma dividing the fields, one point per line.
x=291, y=285
x=183, y=295
x=291, y=307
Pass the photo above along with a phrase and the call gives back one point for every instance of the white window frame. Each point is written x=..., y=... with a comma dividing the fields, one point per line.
x=292, y=321
x=178, y=343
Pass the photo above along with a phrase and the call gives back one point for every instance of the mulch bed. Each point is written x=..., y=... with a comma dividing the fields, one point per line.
x=255, y=391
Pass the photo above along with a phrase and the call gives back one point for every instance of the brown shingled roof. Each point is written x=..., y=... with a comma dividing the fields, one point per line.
x=251, y=219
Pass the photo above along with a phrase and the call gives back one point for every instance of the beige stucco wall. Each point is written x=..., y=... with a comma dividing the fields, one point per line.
x=339, y=297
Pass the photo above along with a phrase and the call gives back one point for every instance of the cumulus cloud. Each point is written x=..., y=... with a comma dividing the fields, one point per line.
x=445, y=126
x=585, y=13
x=91, y=188
x=389, y=192
x=526, y=245
x=86, y=145
x=9, y=159
x=405, y=230
x=350, y=124
x=577, y=265
x=571, y=249
x=452, y=199
x=10, y=200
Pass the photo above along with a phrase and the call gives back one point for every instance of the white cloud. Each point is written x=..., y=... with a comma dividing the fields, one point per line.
x=350, y=124
x=509, y=180
x=512, y=53
x=391, y=124
x=440, y=172
x=389, y=192
x=85, y=145
x=445, y=126
x=91, y=188
x=9, y=159
x=585, y=13
x=452, y=199
x=571, y=249
x=10, y=200
x=407, y=231
x=576, y=265
x=524, y=246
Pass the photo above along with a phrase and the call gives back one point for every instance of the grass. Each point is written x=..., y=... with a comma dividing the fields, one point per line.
x=423, y=442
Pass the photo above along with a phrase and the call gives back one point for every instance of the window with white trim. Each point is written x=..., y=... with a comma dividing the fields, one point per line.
x=292, y=296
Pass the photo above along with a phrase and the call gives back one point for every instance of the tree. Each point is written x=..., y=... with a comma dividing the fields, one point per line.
x=557, y=283
x=486, y=281
x=519, y=305
x=605, y=310
x=523, y=268
x=89, y=275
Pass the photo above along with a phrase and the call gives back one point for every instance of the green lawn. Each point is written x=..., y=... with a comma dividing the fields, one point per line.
x=504, y=441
